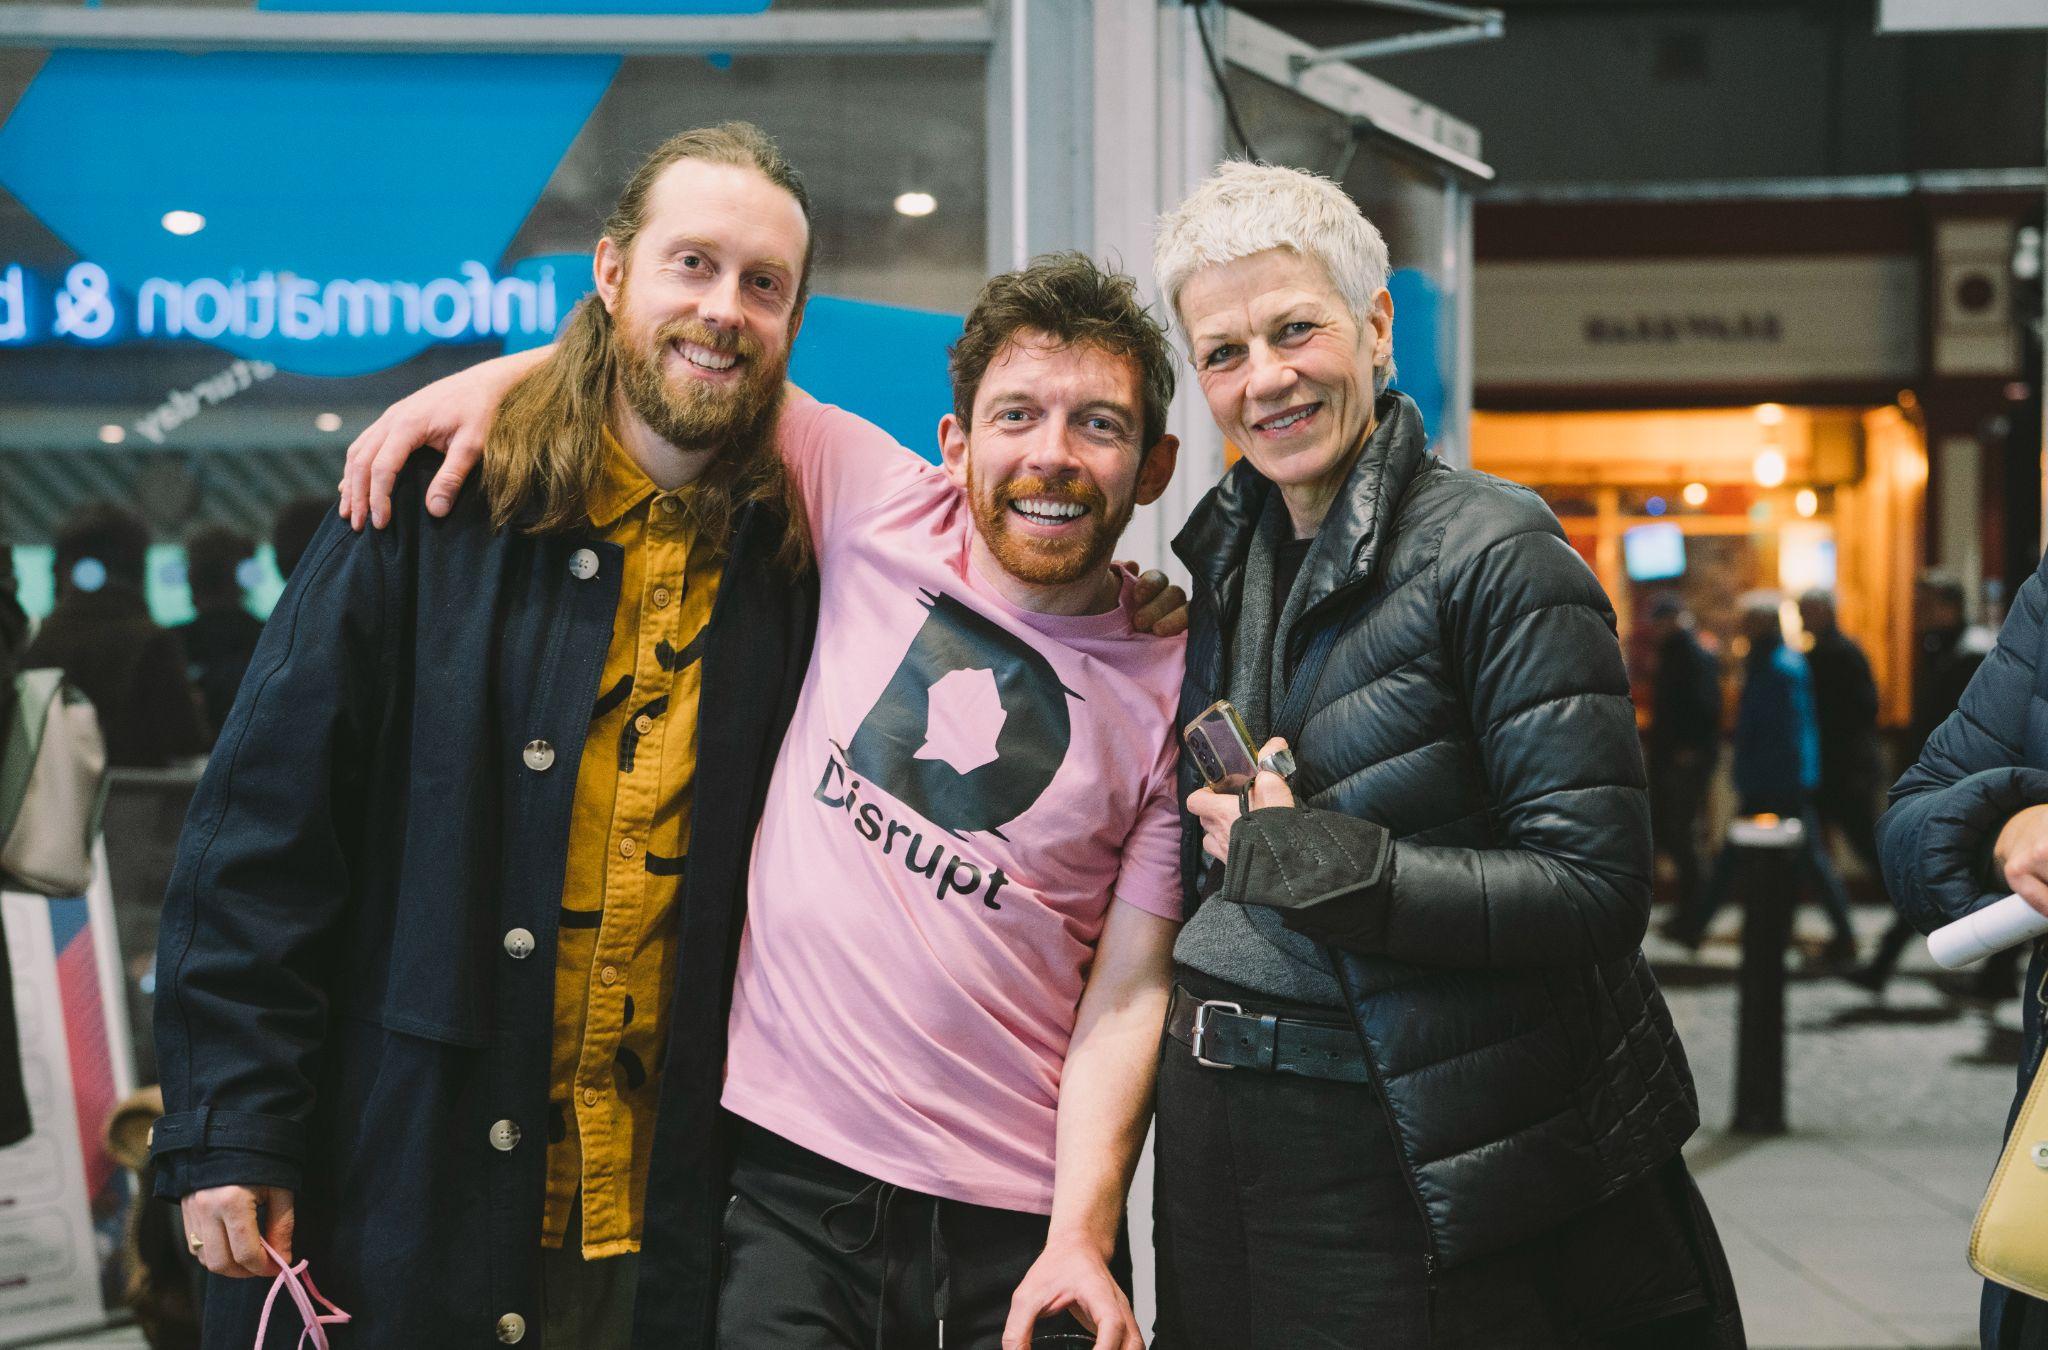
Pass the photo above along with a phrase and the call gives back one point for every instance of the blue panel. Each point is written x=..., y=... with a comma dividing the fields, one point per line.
x=393, y=169
x=885, y=363
x=1418, y=344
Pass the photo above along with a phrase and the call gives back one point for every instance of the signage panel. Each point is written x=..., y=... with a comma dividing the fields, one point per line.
x=1769, y=321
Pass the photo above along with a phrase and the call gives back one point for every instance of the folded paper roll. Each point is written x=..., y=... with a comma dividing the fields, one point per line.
x=2001, y=924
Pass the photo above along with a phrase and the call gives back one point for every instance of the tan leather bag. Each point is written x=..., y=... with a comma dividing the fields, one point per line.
x=2009, y=1243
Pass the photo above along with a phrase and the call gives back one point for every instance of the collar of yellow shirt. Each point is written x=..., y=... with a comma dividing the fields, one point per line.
x=623, y=485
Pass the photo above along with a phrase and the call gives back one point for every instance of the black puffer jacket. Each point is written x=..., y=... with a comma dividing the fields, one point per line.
x=1476, y=706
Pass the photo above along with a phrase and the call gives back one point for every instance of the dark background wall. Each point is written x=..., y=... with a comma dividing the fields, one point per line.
x=1622, y=91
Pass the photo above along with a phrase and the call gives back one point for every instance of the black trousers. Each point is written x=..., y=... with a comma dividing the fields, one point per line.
x=1283, y=1220
x=1679, y=783
x=820, y=1257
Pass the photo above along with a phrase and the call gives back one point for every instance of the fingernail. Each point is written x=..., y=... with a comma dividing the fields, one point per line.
x=437, y=505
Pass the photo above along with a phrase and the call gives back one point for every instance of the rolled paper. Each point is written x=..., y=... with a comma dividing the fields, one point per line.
x=2001, y=924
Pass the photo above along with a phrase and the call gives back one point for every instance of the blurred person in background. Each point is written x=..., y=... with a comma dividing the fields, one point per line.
x=1948, y=649
x=1969, y=823
x=293, y=529
x=221, y=637
x=1845, y=705
x=13, y=618
x=1777, y=773
x=1684, y=740
x=101, y=635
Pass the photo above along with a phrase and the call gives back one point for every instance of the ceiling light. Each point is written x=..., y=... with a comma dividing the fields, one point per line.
x=1695, y=495
x=328, y=421
x=112, y=434
x=916, y=204
x=184, y=222
x=1769, y=468
x=1770, y=414
x=1808, y=503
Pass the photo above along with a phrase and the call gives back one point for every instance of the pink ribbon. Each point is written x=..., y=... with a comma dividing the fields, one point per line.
x=316, y=1322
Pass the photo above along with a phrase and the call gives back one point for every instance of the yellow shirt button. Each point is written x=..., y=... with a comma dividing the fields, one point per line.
x=661, y=597
x=627, y=848
x=669, y=506
x=590, y=1096
x=610, y=975
x=643, y=724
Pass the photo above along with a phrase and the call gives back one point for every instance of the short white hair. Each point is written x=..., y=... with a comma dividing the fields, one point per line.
x=1244, y=208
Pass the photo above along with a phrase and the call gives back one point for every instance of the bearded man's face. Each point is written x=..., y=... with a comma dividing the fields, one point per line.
x=705, y=305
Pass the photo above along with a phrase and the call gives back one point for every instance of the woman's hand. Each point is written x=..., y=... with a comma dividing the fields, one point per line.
x=1218, y=811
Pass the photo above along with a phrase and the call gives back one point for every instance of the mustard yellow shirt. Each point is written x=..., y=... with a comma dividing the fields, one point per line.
x=629, y=837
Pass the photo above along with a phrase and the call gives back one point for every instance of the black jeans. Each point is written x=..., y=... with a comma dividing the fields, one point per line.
x=1284, y=1220
x=1679, y=783
x=820, y=1257
x=1816, y=866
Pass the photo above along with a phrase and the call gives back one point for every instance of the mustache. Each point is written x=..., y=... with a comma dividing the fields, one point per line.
x=724, y=341
x=1052, y=489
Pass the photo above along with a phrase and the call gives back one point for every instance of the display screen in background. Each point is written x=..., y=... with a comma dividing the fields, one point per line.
x=170, y=598
x=1653, y=552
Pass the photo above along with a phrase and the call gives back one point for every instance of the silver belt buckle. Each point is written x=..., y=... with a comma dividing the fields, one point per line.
x=1202, y=1011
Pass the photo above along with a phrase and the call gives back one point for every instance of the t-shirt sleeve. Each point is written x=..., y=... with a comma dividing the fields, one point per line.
x=1150, y=875
x=841, y=463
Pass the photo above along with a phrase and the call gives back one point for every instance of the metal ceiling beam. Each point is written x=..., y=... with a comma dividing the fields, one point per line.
x=956, y=30
x=1470, y=25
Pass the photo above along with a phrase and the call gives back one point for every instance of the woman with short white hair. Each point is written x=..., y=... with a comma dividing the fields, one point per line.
x=1458, y=1101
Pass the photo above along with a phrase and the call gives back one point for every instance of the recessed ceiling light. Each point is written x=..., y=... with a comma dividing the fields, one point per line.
x=916, y=204
x=1770, y=414
x=184, y=222
x=1807, y=502
x=328, y=421
x=1695, y=494
x=113, y=434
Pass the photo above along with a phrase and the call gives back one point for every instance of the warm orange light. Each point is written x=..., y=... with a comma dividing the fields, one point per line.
x=1770, y=414
x=1695, y=494
x=1807, y=503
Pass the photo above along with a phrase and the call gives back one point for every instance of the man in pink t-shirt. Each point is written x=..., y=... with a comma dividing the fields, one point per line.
x=965, y=886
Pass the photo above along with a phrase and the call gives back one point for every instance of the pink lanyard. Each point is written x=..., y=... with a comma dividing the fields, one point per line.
x=316, y=1323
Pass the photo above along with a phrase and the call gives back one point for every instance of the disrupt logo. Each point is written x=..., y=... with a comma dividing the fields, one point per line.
x=896, y=744
x=968, y=734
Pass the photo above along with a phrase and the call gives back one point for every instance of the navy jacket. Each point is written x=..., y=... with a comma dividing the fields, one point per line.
x=1777, y=735
x=345, y=1006
x=1979, y=768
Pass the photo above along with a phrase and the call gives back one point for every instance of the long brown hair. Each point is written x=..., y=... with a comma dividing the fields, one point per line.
x=543, y=460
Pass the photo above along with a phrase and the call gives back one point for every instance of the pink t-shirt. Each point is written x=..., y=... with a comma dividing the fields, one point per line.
x=964, y=787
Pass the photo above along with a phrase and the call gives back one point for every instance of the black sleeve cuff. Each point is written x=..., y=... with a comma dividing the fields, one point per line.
x=1329, y=875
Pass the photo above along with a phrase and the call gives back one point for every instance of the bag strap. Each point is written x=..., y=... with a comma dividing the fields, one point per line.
x=1301, y=687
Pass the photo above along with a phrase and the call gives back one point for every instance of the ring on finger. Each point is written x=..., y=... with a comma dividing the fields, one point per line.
x=196, y=1245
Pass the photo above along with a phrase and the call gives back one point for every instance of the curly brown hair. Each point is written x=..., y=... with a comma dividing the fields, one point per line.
x=1067, y=298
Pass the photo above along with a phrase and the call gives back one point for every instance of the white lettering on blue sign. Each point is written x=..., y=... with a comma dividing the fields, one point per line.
x=471, y=306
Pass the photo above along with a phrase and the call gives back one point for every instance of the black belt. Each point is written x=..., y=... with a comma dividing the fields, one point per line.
x=1227, y=1035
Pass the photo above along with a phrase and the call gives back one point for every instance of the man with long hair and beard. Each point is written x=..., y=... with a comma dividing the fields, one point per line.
x=437, y=1012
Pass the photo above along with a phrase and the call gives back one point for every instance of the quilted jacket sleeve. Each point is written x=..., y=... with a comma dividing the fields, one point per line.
x=1530, y=639
x=1972, y=776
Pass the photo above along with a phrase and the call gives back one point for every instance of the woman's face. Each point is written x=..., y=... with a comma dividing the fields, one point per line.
x=1287, y=370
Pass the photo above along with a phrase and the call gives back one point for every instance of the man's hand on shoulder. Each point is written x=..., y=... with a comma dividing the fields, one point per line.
x=453, y=415
x=2021, y=854
x=226, y=1227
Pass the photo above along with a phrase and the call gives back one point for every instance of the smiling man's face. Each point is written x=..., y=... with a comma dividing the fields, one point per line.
x=1286, y=369
x=1053, y=464
x=706, y=302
